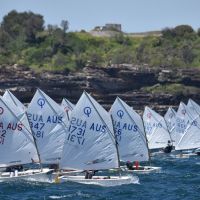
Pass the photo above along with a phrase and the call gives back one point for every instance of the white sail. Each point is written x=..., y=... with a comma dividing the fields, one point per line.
x=47, y=120
x=8, y=96
x=16, y=141
x=170, y=119
x=189, y=120
x=194, y=108
x=191, y=138
x=68, y=106
x=89, y=142
x=183, y=121
x=156, y=129
x=129, y=131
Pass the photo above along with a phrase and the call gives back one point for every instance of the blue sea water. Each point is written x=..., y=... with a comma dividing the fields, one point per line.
x=178, y=179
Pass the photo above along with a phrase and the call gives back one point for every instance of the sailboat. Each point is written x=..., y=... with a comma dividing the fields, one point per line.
x=90, y=144
x=195, y=111
x=170, y=119
x=17, y=146
x=48, y=122
x=190, y=137
x=194, y=108
x=130, y=135
x=11, y=99
x=183, y=121
x=156, y=130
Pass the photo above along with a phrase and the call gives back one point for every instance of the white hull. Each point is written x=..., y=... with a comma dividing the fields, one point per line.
x=57, y=174
x=70, y=172
x=141, y=170
x=29, y=175
x=183, y=154
x=145, y=170
x=161, y=152
x=101, y=180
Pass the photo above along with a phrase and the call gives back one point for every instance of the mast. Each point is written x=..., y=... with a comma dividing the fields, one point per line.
x=116, y=145
x=35, y=145
x=168, y=129
x=147, y=143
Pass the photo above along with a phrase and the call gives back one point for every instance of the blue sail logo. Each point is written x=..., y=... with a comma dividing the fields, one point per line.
x=1, y=110
x=120, y=114
x=41, y=102
x=87, y=111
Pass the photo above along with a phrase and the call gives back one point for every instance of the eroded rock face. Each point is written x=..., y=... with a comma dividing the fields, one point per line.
x=105, y=84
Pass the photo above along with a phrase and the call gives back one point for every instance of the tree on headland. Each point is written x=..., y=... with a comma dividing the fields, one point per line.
x=25, y=24
x=64, y=25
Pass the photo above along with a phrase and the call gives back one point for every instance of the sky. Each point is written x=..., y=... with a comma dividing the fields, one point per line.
x=133, y=15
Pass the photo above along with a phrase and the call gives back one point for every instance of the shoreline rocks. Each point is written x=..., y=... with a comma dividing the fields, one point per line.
x=105, y=84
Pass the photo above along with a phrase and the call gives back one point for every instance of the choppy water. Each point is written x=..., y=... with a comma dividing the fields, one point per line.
x=179, y=179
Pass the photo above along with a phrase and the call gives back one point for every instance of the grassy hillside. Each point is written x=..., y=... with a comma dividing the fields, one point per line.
x=24, y=40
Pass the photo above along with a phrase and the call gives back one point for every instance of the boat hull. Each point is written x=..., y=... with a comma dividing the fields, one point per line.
x=145, y=170
x=29, y=175
x=106, y=181
x=140, y=170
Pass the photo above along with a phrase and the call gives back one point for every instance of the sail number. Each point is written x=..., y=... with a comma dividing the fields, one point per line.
x=118, y=134
x=2, y=136
x=38, y=126
x=76, y=134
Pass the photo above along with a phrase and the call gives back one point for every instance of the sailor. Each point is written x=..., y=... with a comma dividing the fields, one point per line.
x=13, y=168
x=168, y=148
x=55, y=167
x=129, y=165
x=136, y=165
x=89, y=174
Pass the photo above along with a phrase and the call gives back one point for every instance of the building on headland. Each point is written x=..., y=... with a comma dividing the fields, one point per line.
x=114, y=27
x=109, y=27
x=108, y=30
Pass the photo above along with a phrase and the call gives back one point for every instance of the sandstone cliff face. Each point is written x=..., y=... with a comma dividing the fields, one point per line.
x=105, y=84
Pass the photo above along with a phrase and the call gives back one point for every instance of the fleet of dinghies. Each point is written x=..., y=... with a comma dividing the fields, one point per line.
x=52, y=142
x=90, y=144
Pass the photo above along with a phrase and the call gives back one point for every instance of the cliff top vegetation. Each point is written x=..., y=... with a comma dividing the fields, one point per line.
x=25, y=40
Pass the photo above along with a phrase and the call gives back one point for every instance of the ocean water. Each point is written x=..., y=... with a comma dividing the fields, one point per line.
x=178, y=179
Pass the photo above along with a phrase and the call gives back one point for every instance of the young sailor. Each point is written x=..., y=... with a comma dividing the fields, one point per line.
x=129, y=165
x=168, y=148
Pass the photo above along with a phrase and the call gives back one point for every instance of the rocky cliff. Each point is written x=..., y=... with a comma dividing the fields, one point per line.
x=105, y=84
